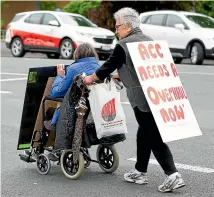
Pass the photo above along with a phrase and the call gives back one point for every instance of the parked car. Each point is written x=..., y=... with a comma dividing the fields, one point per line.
x=189, y=35
x=56, y=34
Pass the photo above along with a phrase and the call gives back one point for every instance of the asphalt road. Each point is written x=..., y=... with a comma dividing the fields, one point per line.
x=22, y=179
x=5, y=52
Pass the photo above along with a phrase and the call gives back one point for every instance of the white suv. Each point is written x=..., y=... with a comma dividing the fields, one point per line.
x=56, y=34
x=189, y=35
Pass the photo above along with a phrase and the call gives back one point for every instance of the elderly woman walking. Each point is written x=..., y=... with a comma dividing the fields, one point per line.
x=148, y=136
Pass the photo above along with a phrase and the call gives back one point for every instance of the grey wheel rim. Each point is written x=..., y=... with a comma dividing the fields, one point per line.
x=106, y=157
x=43, y=164
x=66, y=49
x=16, y=47
x=194, y=54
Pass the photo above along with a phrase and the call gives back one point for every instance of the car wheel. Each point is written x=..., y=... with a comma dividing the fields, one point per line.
x=17, y=48
x=197, y=54
x=53, y=55
x=66, y=49
x=178, y=60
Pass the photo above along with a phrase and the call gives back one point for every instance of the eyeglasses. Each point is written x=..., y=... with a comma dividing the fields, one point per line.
x=117, y=26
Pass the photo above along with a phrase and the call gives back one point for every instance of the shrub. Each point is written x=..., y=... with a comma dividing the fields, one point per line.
x=81, y=6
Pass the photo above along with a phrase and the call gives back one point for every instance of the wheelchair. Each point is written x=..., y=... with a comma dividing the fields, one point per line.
x=73, y=160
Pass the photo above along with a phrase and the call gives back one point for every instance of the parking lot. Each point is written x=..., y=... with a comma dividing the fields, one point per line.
x=193, y=156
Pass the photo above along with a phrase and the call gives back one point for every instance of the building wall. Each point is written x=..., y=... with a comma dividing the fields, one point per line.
x=14, y=7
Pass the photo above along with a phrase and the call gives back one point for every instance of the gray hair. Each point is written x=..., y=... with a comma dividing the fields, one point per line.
x=129, y=17
x=85, y=50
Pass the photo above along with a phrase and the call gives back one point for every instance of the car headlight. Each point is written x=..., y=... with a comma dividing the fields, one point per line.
x=115, y=41
x=84, y=34
x=210, y=38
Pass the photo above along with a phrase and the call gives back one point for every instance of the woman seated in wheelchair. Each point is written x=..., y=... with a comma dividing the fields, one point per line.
x=85, y=61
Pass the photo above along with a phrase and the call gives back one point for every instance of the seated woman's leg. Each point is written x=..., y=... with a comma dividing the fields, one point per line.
x=65, y=127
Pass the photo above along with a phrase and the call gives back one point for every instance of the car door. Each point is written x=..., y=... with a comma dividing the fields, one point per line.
x=52, y=33
x=153, y=26
x=176, y=38
x=32, y=30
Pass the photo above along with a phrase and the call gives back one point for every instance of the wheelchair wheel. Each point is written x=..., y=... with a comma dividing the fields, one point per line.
x=43, y=164
x=69, y=169
x=87, y=162
x=108, y=158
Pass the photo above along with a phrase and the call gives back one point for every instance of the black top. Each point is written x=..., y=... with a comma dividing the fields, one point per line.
x=122, y=61
x=115, y=61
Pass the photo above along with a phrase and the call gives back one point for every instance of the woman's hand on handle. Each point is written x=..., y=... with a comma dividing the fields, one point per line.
x=116, y=76
x=89, y=80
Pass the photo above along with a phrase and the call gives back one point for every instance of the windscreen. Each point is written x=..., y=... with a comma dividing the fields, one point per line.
x=202, y=21
x=76, y=21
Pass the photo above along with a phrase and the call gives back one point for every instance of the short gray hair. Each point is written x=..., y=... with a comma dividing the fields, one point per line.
x=85, y=50
x=129, y=17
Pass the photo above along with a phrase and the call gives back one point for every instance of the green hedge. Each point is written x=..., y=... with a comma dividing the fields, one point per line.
x=81, y=7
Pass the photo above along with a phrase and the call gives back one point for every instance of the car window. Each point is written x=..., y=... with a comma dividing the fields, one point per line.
x=143, y=19
x=173, y=19
x=156, y=19
x=17, y=17
x=47, y=18
x=34, y=18
x=201, y=21
x=76, y=20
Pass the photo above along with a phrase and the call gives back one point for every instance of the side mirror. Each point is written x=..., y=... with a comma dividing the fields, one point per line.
x=180, y=26
x=54, y=23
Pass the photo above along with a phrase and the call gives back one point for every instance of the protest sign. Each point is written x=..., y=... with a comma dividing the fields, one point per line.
x=163, y=89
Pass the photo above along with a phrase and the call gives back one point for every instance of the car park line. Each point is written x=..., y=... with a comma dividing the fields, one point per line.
x=13, y=79
x=6, y=73
x=182, y=166
x=5, y=92
x=196, y=73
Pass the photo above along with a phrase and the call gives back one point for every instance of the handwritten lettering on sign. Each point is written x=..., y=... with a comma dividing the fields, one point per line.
x=157, y=96
x=162, y=87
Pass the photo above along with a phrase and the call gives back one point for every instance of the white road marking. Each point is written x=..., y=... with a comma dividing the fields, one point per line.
x=14, y=79
x=125, y=103
x=182, y=166
x=5, y=92
x=193, y=66
x=41, y=58
x=20, y=74
x=196, y=73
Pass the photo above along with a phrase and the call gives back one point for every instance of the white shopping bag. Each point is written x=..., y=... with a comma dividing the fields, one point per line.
x=107, y=111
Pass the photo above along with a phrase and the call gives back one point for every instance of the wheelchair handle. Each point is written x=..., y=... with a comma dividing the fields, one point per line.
x=119, y=86
x=51, y=98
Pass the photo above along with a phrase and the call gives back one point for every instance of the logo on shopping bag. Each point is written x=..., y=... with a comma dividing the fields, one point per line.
x=109, y=111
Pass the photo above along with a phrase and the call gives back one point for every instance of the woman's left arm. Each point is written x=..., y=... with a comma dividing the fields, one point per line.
x=61, y=84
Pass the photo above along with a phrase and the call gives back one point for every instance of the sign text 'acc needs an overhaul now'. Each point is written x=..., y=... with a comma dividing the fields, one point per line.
x=163, y=89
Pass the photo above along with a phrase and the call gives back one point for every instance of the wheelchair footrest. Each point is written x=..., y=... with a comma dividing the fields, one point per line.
x=26, y=158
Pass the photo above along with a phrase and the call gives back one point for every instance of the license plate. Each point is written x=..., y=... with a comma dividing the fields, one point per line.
x=106, y=48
